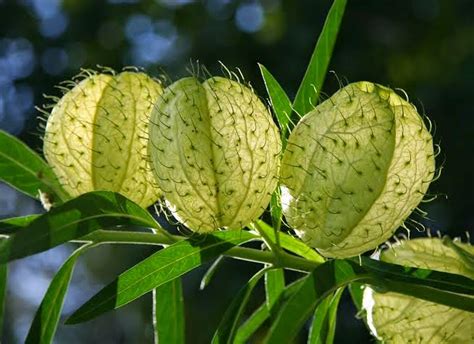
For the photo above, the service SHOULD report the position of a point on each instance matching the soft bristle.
(354, 169)
(215, 151)
(95, 137)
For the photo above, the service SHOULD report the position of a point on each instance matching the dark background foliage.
(425, 47)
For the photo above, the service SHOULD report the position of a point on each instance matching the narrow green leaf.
(387, 273)
(310, 88)
(444, 288)
(325, 279)
(263, 313)
(291, 244)
(274, 285)
(226, 331)
(276, 214)
(72, 220)
(319, 325)
(47, 316)
(3, 293)
(252, 324)
(206, 279)
(11, 225)
(168, 315)
(423, 292)
(323, 326)
(158, 269)
(356, 290)
(281, 104)
(25, 170)
(300, 248)
(425, 284)
(333, 316)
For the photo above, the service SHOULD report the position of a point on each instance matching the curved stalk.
(284, 260)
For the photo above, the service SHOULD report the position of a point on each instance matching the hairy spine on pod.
(96, 136)
(215, 152)
(355, 167)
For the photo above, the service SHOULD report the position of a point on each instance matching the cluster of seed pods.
(355, 167)
(396, 318)
(214, 150)
(96, 136)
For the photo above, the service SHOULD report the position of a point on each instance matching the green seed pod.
(96, 136)
(396, 318)
(215, 152)
(355, 167)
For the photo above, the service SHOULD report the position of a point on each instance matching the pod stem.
(282, 259)
(273, 246)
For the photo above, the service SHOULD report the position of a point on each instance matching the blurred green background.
(425, 47)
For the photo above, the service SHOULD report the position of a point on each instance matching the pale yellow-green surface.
(396, 318)
(354, 169)
(96, 136)
(215, 152)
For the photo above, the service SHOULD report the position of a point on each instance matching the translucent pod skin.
(97, 135)
(215, 152)
(355, 167)
(396, 318)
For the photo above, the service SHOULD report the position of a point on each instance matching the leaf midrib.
(57, 229)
